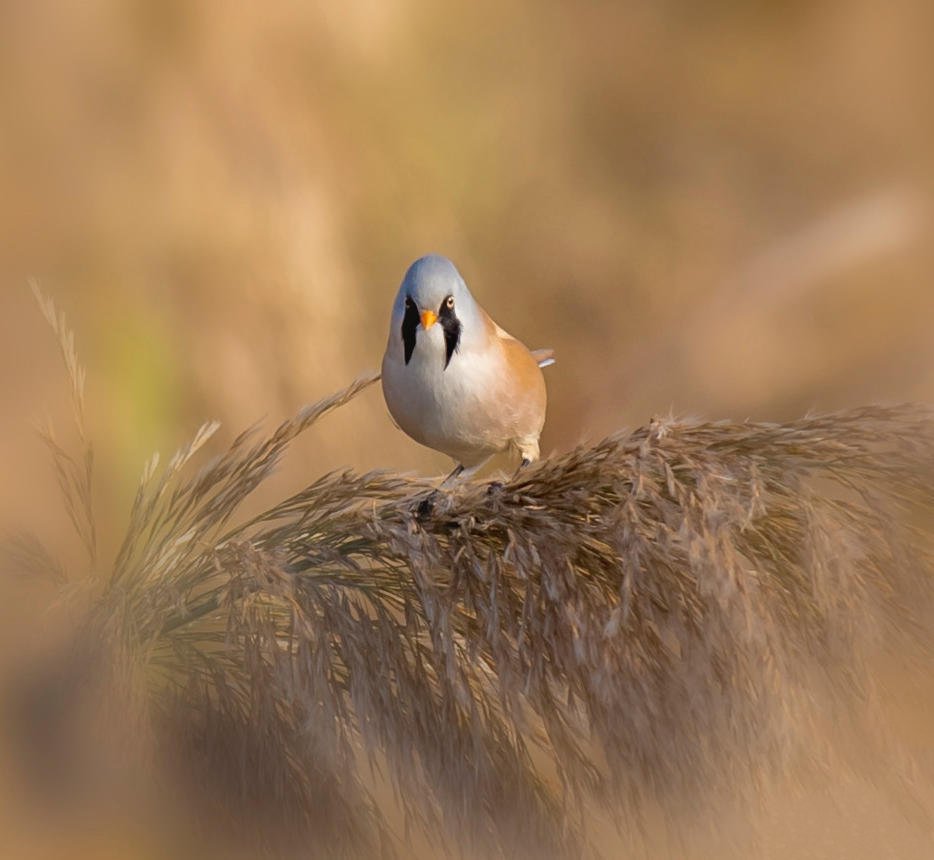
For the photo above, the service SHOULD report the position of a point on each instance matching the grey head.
(434, 293)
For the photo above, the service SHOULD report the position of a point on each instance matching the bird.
(453, 380)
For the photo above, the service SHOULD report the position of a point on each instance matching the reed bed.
(654, 621)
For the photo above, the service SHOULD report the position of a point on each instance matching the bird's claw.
(426, 506)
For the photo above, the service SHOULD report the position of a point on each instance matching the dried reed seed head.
(645, 618)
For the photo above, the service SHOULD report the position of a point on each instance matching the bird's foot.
(434, 504)
(498, 486)
(434, 511)
(425, 507)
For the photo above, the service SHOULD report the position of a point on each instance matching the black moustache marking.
(409, 327)
(452, 331)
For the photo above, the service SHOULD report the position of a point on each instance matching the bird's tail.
(544, 357)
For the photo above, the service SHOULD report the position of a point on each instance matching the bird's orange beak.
(429, 318)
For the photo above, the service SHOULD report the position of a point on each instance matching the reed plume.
(659, 618)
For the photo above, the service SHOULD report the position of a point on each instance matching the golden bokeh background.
(721, 209)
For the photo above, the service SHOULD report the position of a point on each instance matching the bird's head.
(433, 296)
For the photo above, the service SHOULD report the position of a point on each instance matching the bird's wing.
(544, 357)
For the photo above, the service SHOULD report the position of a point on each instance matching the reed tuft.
(657, 619)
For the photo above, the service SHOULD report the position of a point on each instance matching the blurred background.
(720, 209)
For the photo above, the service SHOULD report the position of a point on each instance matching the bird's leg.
(496, 486)
(453, 476)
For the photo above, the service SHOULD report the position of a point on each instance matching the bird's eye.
(449, 302)
(408, 302)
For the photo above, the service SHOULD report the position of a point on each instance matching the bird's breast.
(479, 404)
